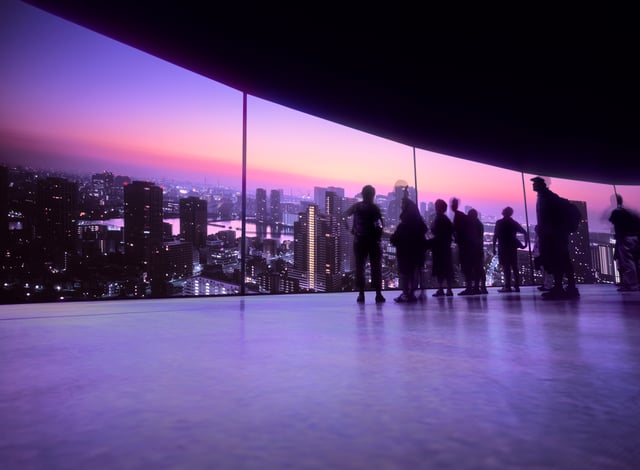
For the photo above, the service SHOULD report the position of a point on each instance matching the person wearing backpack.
(367, 231)
(626, 227)
(553, 234)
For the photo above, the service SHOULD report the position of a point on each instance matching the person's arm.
(348, 213)
(526, 235)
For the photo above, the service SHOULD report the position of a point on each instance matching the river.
(214, 227)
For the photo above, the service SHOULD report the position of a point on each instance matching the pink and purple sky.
(75, 100)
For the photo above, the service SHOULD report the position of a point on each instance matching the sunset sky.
(73, 99)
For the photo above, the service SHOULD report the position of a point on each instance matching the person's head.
(473, 214)
(538, 183)
(454, 203)
(441, 206)
(409, 210)
(368, 193)
(507, 211)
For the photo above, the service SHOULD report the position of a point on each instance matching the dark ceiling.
(545, 92)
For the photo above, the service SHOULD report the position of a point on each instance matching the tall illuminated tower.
(305, 260)
(332, 241)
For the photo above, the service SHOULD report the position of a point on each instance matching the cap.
(539, 179)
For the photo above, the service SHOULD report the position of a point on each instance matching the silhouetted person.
(626, 226)
(461, 237)
(367, 232)
(476, 253)
(505, 235)
(553, 240)
(440, 245)
(410, 242)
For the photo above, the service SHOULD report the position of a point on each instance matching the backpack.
(571, 216)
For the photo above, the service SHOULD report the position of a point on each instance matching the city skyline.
(63, 229)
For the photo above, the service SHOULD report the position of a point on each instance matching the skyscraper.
(57, 218)
(579, 248)
(143, 221)
(4, 205)
(193, 221)
(274, 206)
(333, 240)
(305, 261)
(261, 206)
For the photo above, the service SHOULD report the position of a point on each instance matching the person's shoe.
(360, 298)
(572, 293)
(466, 292)
(439, 293)
(516, 289)
(401, 299)
(449, 293)
(476, 291)
(380, 299)
(555, 293)
(627, 289)
(505, 289)
(483, 290)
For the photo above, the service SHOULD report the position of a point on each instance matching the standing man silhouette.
(440, 245)
(367, 231)
(626, 225)
(554, 242)
(505, 235)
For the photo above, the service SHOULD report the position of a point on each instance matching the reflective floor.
(319, 381)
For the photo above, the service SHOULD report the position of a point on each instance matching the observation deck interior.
(319, 381)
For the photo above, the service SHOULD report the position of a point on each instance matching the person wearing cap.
(554, 243)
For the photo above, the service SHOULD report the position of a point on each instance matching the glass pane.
(100, 116)
(484, 188)
(591, 245)
(303, 173)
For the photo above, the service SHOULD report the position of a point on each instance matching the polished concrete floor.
(318, 381)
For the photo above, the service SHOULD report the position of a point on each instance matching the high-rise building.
(334, 240)
(261, 206)
(193, 221)
(143, 221)
(57, 218)
(305, 262)
(4, 205)
(274, 206)
(579, 248)
(176, 260)
(319, 194)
